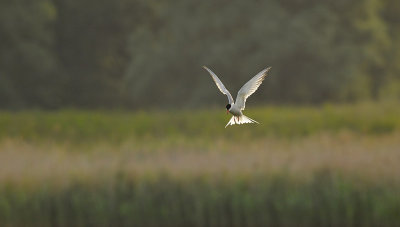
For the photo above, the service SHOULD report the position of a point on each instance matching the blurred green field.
(335, 165)
(117, 126)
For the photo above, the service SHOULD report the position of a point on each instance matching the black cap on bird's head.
(228, 106)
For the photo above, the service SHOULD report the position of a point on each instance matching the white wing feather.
(220, 85)
(249, 88)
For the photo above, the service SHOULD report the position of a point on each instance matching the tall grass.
(257, 201)
(341, 180)
(323, 166)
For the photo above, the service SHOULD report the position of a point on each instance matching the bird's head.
(227, 108)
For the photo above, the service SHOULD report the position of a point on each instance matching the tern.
(236, 108)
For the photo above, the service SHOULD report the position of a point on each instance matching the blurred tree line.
(139, 54)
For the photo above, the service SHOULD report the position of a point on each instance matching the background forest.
(111, 54)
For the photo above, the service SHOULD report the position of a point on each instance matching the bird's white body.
(236, 108)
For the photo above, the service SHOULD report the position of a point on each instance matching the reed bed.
(313, 166)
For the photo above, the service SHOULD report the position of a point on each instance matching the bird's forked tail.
(240, 120)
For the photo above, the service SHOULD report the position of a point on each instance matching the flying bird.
(236, 108)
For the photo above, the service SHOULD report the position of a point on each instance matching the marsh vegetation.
(332, 165)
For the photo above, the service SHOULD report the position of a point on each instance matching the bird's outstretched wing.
(220, 85)
(249, 88)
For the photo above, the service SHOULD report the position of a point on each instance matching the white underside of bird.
(236, 108)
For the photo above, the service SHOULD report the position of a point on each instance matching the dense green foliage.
(325, 201)
(29, 73)
(88, 126)
(85, 53)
